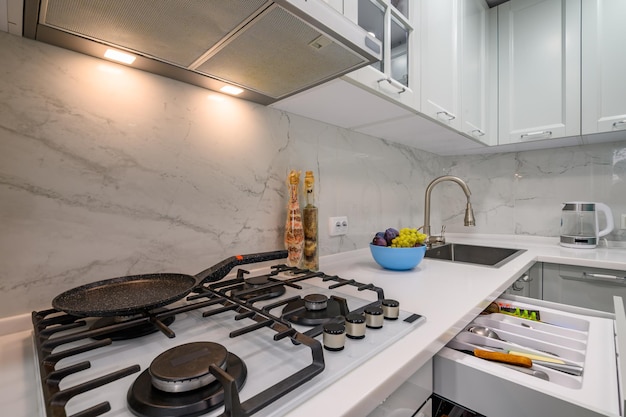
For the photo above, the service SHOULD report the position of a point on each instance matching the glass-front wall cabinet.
(371, 17)
(396, 76)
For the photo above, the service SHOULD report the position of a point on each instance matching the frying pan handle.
(220, 270)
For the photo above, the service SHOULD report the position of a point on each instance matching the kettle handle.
(609, 219)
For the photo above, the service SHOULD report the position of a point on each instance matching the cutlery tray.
(573, 335)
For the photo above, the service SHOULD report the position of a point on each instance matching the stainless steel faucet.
(469, 213)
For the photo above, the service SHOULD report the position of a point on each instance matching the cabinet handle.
(620, 124)
(518, 285)
(536, 134)
(602, 276)
(477, 132)
(444, 115)
(401, 88)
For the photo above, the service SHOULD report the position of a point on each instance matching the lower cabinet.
(411, 396)
(586, 287)
(578, 286)
(530, 284)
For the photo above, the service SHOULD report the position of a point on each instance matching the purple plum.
(379, 241)
(390, 234)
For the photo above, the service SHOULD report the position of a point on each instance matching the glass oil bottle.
(294, 234)
(309, 216)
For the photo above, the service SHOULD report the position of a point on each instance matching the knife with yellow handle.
(532, 356)
(504, 358)
(556, 364)
(469, 349)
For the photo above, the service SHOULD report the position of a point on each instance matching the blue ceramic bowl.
(397, 259)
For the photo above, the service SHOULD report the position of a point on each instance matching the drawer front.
(493, 389)
(583, 287)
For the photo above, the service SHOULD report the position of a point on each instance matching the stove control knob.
(334, 336)
(355, 326)
(391, 309)
(374, 317)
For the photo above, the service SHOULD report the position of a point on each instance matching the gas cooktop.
(256, 343)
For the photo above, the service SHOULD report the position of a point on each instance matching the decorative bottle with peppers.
(294, 234)
(309, 215)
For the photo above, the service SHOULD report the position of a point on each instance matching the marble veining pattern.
(107, 171)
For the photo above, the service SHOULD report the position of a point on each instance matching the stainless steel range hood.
(272, 49)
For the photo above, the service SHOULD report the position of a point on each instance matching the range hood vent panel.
(256, 56)
(177, 32)
(271, 48)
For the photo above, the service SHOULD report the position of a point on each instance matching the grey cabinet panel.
(583, 286)
(529, 284)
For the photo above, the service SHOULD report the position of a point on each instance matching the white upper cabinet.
(455, 66)
(604, 66)
(539, 69)
(479, 87)
(457, 75)
(396, 77)
(439, 26)
(383, 91)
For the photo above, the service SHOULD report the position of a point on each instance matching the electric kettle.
(579, 224)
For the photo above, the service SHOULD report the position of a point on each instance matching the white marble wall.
(107, 171)
(522, 193)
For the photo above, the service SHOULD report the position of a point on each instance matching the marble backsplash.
(107, 171)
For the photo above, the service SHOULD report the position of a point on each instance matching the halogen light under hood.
(272, 49)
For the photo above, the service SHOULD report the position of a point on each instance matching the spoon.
(486, 332)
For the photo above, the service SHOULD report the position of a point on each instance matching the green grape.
(408, 238)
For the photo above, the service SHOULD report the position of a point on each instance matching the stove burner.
(300, 311)
(186, 367)
(315, 302)
(145, 400)
(257, 281)
(141, 329)
(259, 288)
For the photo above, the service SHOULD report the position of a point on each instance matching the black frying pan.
(133, 294)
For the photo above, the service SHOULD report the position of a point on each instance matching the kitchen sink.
(480, 255)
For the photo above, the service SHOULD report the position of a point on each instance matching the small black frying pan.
(134, 294)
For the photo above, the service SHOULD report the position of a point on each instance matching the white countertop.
(448, 294)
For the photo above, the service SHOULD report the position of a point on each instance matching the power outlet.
(623, 225)
(338, 226)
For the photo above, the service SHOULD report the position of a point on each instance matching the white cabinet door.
(440, 86)
(539, 69)
(456, 80)
(478, 84)
(604, 66)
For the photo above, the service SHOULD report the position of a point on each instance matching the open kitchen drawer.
(583, 337)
